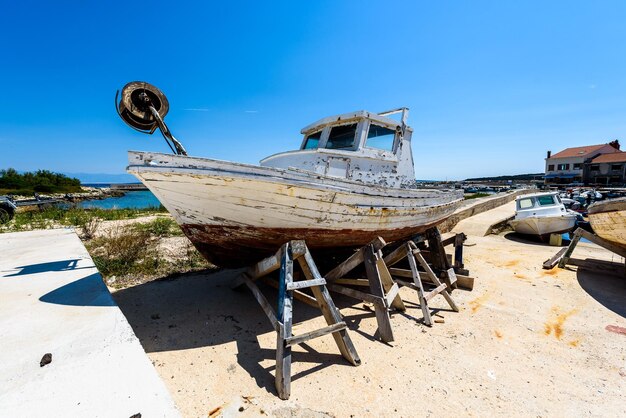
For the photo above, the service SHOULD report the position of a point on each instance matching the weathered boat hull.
(544, 225)
(236, 214)
(608, 220)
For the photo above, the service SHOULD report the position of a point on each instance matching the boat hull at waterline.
(236, 214)
(608, 220)
(544, 225)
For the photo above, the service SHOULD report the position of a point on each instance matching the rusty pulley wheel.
(134, 105)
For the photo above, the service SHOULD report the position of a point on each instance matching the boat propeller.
(143, 106)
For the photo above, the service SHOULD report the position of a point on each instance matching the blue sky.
(491, 85)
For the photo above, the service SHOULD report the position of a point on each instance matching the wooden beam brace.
(269, 312)
(357, 294)
(299, 339)
(353, 261)
(305, 283)
(297, 294)
(429, 295)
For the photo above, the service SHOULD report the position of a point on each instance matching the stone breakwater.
(88, 193)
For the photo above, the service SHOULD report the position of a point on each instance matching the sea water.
(139, 199)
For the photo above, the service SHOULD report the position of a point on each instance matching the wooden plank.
(452, 276)
(395, 256)
(388, 284)
(550, 263)
(376, 288)
(297, 294)
(305, 283)
(260, 298)
(603, 243)
(593, 264)
(283, 352)
(435, 280)
(330, 312)
(570, 249)
(299, 339)
(353, 261)
(459, 239)
(357, 294)
(266, 266)
(438, 253)
(464, 282)
(418, 283)
(406, 284)
(392, 294)
(352, 282)
(429, 295)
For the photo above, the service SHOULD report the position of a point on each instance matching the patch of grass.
(161, 227)
(476, 196)
(120, 252)
(55, 216)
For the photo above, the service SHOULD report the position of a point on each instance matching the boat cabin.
(539, 204)
(361, 146)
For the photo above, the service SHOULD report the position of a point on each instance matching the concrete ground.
(53, 300)
(526, 342)
(482, 224)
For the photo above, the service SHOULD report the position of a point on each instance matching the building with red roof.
(572, 165)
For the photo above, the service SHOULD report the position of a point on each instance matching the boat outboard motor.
(143, 106)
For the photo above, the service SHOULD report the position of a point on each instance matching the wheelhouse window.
(312, 140)
(545, 200)
(341, 137)
(525, 203)
(380, 138)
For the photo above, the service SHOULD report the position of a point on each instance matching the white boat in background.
(542, 214)
(351, 180)
(608, 220)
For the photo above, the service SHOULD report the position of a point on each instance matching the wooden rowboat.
(608, 220)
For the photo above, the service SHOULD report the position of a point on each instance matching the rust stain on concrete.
(555, 325)
(477, 303)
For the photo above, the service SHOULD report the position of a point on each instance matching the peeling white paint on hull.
(232, 210)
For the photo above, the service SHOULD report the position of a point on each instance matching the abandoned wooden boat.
(608, 220)
(542, 214)
(351, 180)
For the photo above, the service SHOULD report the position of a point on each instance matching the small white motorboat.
(542, 214)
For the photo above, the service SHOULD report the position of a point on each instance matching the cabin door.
(338, 167)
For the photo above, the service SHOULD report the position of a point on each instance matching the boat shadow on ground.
(607, 287)
(530, 240)
(201, 310)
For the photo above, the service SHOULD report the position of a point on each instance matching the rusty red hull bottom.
(240, 246)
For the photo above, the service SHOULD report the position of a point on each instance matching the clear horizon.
(491, 86)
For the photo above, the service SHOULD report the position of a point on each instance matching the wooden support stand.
(410, 251)
(564, 256)
(282, 319)
(384, 288)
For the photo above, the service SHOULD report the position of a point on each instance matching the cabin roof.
(352, 116)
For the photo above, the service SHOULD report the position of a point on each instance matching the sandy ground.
(527, 342)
